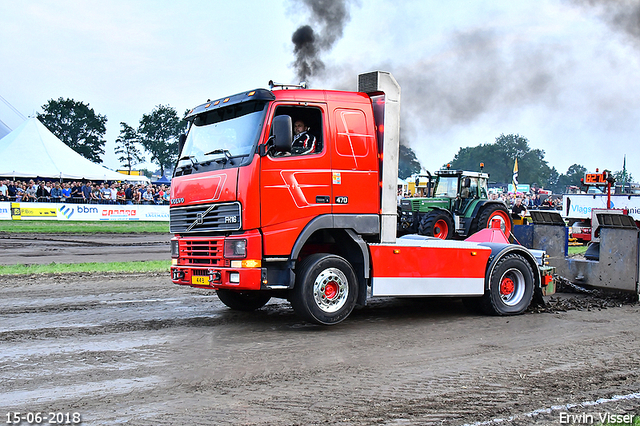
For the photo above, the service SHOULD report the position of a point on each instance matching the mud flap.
(546, 288)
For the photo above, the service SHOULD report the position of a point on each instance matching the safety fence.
(66, 211)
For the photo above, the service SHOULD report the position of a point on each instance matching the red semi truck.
(254, 219)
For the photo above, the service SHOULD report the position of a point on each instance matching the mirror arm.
(264, 149)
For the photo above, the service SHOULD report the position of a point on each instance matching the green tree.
(159, 132)
(499, 158)
(622, 176)
(559, 182)
(126, 146)
(77, 125)
(408, 164)
(552, 181)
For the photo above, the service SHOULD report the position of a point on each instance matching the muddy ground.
(139, 350)
(24, 248)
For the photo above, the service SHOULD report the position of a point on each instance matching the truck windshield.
(223, 134)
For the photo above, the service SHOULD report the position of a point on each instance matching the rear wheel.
(436, 224)
(325, 290)
(243, 300)
(495, 212)
(511, 287)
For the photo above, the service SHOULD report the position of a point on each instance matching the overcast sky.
(565, 74)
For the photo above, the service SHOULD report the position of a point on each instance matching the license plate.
(199, 280)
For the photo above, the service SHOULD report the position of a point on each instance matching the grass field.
(77, 227)
(69, 268)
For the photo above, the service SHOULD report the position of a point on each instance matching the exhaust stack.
(376, 83)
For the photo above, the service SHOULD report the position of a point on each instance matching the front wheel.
(243, 300)
(436, 224)
(325, 289)
(511, 286)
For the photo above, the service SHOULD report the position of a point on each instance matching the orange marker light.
(226, 100)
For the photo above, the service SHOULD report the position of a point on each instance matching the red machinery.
(254, 220)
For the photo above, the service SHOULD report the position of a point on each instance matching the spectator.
(114, 194)
(96, 194)
(31, 193)
(128, 194)
(519, 210)
(56, 193)
(105, 192)
(87, 191)
(120, 195)
(66, 191)
(20, 192)
(76, 192)
(137, 196)
(4, 191)
(11, 189)
(42, 193)
(147, 197)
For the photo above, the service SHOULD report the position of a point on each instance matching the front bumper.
(200, 261)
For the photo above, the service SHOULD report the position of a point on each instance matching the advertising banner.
(91, 212)
(580, 205)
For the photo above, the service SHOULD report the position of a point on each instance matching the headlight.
(235, 249)
(174, 248)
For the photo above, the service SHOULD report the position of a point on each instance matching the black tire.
(495, 211)
(325, 290)
(436, 224)
(243, 300)
(511, 286)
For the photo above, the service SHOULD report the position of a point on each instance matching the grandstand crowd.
(83, 192)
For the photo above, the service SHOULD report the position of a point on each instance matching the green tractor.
(452, 204)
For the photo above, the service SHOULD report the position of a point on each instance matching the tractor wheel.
(325, 290)
(511, 286)
(436, 224)
(495, 212)
(243, 300)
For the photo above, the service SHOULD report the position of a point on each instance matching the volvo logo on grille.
(177, 200)
(199, 217)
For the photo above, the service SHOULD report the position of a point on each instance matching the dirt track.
(74, 248)
(139, 350)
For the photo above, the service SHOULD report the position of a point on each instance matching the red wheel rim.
(507, 286)
(504, 221)
(331, 290)
(441, 229)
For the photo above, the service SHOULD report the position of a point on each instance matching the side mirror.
(282, 131)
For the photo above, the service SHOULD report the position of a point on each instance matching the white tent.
(31, 150)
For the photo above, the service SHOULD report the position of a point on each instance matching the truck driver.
(303, 141)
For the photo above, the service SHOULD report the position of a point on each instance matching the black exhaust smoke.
(329, 17)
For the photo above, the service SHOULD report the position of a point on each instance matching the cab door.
(294, 189)
(354, 163)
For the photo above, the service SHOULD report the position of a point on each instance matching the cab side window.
(307, 130)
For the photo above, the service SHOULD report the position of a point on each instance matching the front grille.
(203, 252)
(206, 218)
